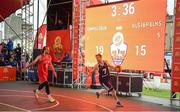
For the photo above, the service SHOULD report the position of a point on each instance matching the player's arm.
(52, 68)
(34, 62)
(109, 65)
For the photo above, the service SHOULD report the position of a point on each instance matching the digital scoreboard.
(130, 34)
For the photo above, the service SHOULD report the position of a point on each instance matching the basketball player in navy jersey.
(104, 76)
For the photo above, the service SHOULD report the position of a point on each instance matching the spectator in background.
(27, 57)
(60, 25)
(10, 45)
(18, 54)
(12, 62)
(67, 58)
(4, 49)
(11, 54)
(6, 55)
(1, 47)
(2, 62)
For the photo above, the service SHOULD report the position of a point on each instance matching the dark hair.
(98, 55)
(43, 49)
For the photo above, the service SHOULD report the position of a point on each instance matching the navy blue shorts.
(106, 84)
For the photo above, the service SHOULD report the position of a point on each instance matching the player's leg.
(110, 88)
(113, 92)
(36, 91)
(50, 98)
(102, 91)
(118, 104)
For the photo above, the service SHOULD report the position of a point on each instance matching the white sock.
(37, 90)
(49, 96)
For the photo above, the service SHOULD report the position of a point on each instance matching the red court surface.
(18, 96)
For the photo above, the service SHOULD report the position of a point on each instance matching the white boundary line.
(27, 96)
(64, 97)
(21, 109)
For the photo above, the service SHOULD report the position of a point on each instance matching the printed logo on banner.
(178, 24)
(176, 68)
(58, 47)
(118, 48)
(176, 83)
(177, 39)
(5, 71)
(177, 54)
(178, 9)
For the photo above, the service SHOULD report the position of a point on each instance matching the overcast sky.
(170, 7)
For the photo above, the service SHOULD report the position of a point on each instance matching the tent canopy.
(8, 7)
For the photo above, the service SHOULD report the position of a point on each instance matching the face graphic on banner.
(58, 47)
(5, 71)
(40, 40)
(118, 48)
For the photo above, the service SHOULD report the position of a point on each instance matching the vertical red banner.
(83, 17)
(41, 37)
(76, 14)
(175, 86)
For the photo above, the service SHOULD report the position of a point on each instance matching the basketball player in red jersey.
(44, 62)
(104, 75)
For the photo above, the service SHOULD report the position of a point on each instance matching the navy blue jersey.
(104, 71)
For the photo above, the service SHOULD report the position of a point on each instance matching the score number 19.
(141, 50)
(100, 50)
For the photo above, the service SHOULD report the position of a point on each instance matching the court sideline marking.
(64, 97)
(27, 96)
(14, 107)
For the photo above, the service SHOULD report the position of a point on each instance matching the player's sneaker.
(118, 104)
(97, 94)
(36, 92)
(51, 100)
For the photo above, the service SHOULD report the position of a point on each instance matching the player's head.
(99, 58)
(45, 50)
(118, 38)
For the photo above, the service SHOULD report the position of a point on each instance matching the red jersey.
(43, 65)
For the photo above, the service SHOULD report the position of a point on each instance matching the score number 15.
(141, 50)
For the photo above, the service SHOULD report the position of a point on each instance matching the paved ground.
(16, 96)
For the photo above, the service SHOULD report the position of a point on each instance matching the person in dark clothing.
(12, 62)
(27, 57)
(67, 58)
(18, 54)
(104, 77)
(4, 50)
(6, 55)
(2, 62)
(10, 45)
(60, 25)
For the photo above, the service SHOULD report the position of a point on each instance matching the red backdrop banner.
(175, 86)
(41, 37)
(59, 43)
(7, 73)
